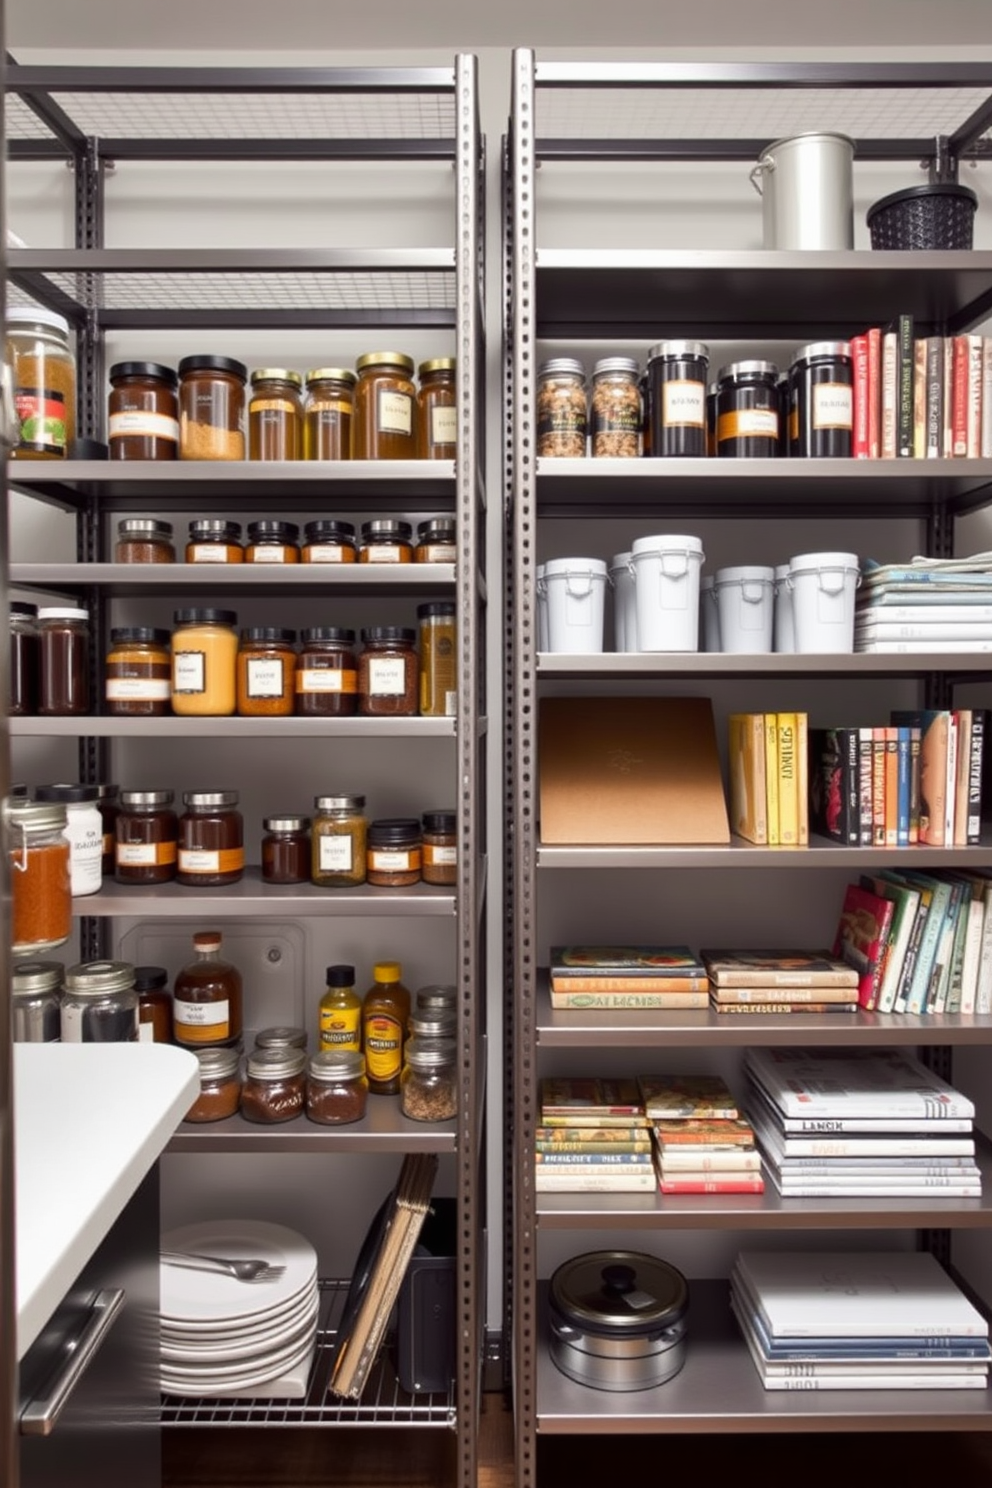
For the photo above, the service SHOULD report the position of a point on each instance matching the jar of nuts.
(561, 408)
(616, 416)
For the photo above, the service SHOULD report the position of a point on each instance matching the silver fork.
(247, 1270)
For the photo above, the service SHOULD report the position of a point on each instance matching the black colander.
(937, 216)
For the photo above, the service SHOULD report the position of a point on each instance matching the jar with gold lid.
(385, 407)
(275, 415)
(328, 413)
(437, 413)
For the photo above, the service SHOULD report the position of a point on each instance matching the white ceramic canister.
(624, 603)
(665, 569)
(709, 614)
(541, 607)
(576, 589)
(745, 596)
(824, 586)
(806, 185)
(783, 630)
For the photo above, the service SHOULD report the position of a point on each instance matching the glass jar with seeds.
(561, 409)
(616, 415)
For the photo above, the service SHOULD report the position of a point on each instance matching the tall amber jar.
(385, 426)
(328, 413)
(266, 672)
(143, 412)
(208, 995)
(437, 414)
(275, 415)
(212, 408)
(385, 1014)
(326, 673)
(138, 672)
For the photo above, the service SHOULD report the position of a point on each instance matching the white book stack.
(860, 1123)
(929, 605)
(861, 1320)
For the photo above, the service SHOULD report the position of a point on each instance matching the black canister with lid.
(386, 540)
(748, 425)
(147, 834)
(822, 379)
(677, 373)
(327, 540)
(211, 840)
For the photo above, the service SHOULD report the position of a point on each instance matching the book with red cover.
(862, 939)
(874, 392)
(703, 1131)
(960, 358)
(859, 357)
(740, 1185)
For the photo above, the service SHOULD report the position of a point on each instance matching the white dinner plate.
(244, 1385)
(241, 1345)
(195, 1297)
(214, 1329)
(269, 1361)
(291, 1385)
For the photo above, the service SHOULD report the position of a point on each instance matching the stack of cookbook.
(930, 604)
(627, 976)
(780, 981)
(593, 1137)
(862, 1320)
(860, 1123)
(702, 1143)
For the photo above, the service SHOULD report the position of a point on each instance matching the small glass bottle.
(212, 540)
(275, 1085)
(109, 806)
(386, 540)
(22, 701)
(616, 417)
(211, 840)
(329, 541)
(394, 852)
(138, 673)
(337, 1087)
(64, 661)
(385, 1013)
(83, 832)
(341, 1011)
(35, 1002)
(286, 849)
(273, 542)
(212, 408)
(340, 830)
(387, 672)
(440, 847)
(436, 541)
(154, 1004)
(143, 412)
(147, 837)
(275, 415)
(326, 673)
(40, 886)
(99, 1004)
(44, 382)
(328, 413)
(204, 663)
(562, 420)
(437, 411)
(438, 671)
(144, 540)
(266, 685)
(428, 1090)
(207, 1005)
(220, 1084)
(384, 426)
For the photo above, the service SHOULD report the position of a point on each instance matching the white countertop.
(89, 1122)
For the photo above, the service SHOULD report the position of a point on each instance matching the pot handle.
(766, 164)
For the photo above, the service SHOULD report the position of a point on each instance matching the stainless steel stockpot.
(618, 1320)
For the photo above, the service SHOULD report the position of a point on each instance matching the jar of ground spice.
(24, 660)
(386, 540)
(143, 412)
(64, 661)
(339, 841)
(138, 673)
(436, 541)
(35, 1001)
(437, 413)
(329, 541)
(144, 540)
(438, 671)
(99, 1004)
(266, 672)
(220, 1085)
(275, 1085)
(428, 1084)
(212, 540)
(275, 415)
(273, 542)
(211, 840)
(394, 852)
(40, 885)
(44, 371)
(384, 425)
(286, 849)
(561, 408)
(326, 673)
(154, 1004)
(387, 672)
(212, 408)
(328, 413)
(147, 837)
(337, 1087)
(440, 847)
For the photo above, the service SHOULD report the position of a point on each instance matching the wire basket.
(937, 216)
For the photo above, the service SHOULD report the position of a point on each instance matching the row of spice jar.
(376, 412)
(325, 540)
(204, 668)
(750, 411)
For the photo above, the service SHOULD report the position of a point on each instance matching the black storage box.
(425, 1323)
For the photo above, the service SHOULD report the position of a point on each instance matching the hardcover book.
(933, 724)
(592, 1098)
(746, 772)
(862, 939)
(602, 992)
(777, 968)
(705, 1131)
(668, 1097)
(628, 960)
(834, 809)
(862, 1081)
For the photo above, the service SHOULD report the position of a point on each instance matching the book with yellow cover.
(802, 775)
(788, 780)
(771, 778)
(746, 769)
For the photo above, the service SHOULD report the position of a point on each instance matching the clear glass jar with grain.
(212, 408)
(562, 420)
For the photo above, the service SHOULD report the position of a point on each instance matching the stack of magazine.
(860, 1320)
(929, 604)
(860, 1123)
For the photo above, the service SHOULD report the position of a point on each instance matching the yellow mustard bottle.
(341, 1011)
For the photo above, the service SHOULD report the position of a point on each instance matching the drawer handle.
(39, 1416)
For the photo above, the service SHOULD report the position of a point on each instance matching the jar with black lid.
(387, 672)
(562, 416)
(394, 852)
(35, 1001)
(437, 412)
(286, 849)
(384, 426)
(326, 672)
(822, 376)
(266, 672)
(143, 412)
(211, 840)
(275, 1085)
(99, 1003)
(212, 540)
(328, 413)
(275, 415)
(677, 372)
(329, 541)
(154, 1004)
(788, 412)
(144, 540)
(711, 399)
(147, 837)
(64, 661)
(83, 831)
(272, 542)
(386, 540)
(440, 847)
(138, 681)
(436, 541)
(212, 408)
(337, 1087)
(22, 697)
(747, 425)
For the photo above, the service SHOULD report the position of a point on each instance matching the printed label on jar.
(615, 420)
(79, 1023)
(269, 553)
(334, 854)
(438, 857)
(148, 425)
(384, 553)
(437, 553)
(794, 425)
(326, 679)
(450, 704)
(387, 676)
(395, 412)
(146, 1033)
(41, 415)
(748, 423)
(444, 425)
(202, 1022)
(271, 405)
(145, 854)
(391, 860)
(200, 860)
(328, 553)
(189, 671)
(683, 404)
(137, 689)
(329, 415)
(265, 677)
(208, 553)
(833, 406)
(340, 1030)
(383, 1047)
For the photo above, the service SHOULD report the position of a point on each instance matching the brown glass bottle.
(154, 1004)
(207, 1003)
(385, 1014)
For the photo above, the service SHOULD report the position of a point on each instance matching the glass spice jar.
(384, 426)
(35, 1002)
(437, 412)
(83, 832)
(339, 841)
(329, 541)
(385, 1014)
(616, 417)
(211, 840)
(275, 415)
(328, 413)
(326, 673)
(275, 1085)
(212, 540)
(337, 1087)
(678, 371)
(138, 673)
(204, 663)
(286, 849)
(144, 540)
(99, 1004)
(208, 1003)
(154, 1004)
(143, 412)
(438, 671)
(22, 695)
(64, 661)
(281, 1038)
(386, 540)
(747, 421)
(266, 674)
(561, 408)
(212, 408)
(440, 847)
(109, 806)
(40, 886)
(220, 1084)
(44, 375)
(340, 1011)
(432, 1023)
(436, 541)
(147, 837)
(441, 997)
(272, 542)
(394, 852)
(428, 1084)
(387, 672)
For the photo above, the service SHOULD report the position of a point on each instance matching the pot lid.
(620, 1293)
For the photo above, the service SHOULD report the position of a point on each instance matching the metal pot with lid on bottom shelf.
(618, 1320)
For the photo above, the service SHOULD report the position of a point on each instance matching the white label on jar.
(683, 403)
(833, 406)
(391, 861)
(146, 1033)
(72, 1024)
(440, 855)
(450, 704)
(320, 679)
(444, 425)
(200, 1014)
(395, 412)
(84, 834)
(387, 676)
(136, 855)
(383, 553)
(137, 689)
(269, 553)
(325, 552)
(189, 671)
(208, 553)
(137, 421)
(264, 677)
(334, 854)
(198, 860)
(759, 423)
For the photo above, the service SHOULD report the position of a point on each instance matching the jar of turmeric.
(385, 407)
(44, 370)
(204, 663)
(266, 685)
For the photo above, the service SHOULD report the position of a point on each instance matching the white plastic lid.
(36, 315)
(574, 565)
(62, 612)
(782, 571)
(619, 560)
(666, 543)
(807, 561)
(751, 574)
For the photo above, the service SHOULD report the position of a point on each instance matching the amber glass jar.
(144, 540)
(438, 672)
(394, 853)
(328, 541)
(207, 1006)
(436, 541)
(339, 841)
(143, 412)
(437, 414)
(385, 1013)
(212, 540)
(40, 883)
(212, 408)
(64, 661)
(266, 672)
(138, 682)
(387, 672)
(204, 663)
(109, 806)
(273, 542)
(385, 406)
(440, 847)
(24, 660)
(337, 1087)
(44, 375)
(275, 415)
(386, 540)
(147, 837)
(220, 1084)
(328, 413)
(326, 673)
(211, 839)
(275, 1085)
(154, 1004)
(286, 849)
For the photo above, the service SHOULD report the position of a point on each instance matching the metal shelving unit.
(91, 117)
(657, 114)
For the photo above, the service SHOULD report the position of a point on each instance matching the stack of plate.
(221, 1336)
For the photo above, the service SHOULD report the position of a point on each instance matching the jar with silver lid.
(428, 1088)
(275, 1085)
(677, 372)
(35, 1001)
(99, 1003)
(220, 1084)
(561, 408)
(442, 997)
(38, 861)
(433, 1022)
(337, 1087)
(616, 416)
(83, 831)
(618, 1320)
(281, 1038)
